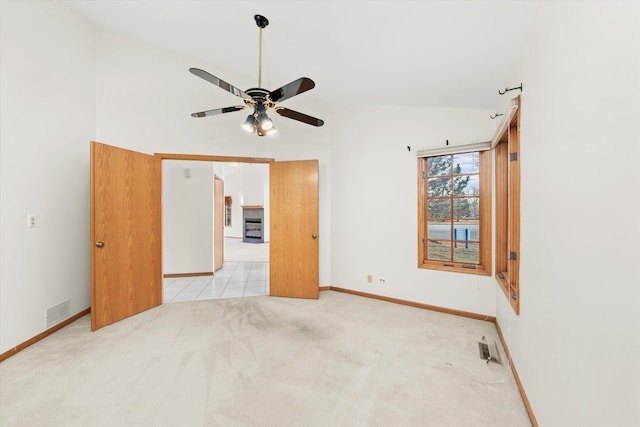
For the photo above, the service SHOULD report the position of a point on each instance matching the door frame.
(207, 158)
(218, 222)
(227, 159)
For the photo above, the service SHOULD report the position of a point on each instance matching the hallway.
(245, 273)
(234, 279)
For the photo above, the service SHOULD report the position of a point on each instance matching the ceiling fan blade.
(292, 89)
(285, 112)
(218, 111)
(219, 82)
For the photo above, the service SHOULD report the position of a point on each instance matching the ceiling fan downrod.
(261, 22)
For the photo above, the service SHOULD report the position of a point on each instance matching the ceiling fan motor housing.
(260, 99)
(258, 94)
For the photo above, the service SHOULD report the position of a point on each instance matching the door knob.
(99, 244)
(315, 236)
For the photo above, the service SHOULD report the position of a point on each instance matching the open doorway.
(189, 192)
(126, 226)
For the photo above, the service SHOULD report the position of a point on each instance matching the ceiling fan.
(259, 99)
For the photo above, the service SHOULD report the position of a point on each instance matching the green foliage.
(453, 198)
(443, 183)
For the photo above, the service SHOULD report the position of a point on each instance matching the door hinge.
(513, 256)
(513, 157)
(423, 242)
(424, 175)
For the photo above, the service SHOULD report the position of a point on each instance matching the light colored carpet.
(342, 360)
(235, 250)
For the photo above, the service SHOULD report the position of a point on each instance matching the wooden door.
(218, 223)
(293, 209)
(126, 249)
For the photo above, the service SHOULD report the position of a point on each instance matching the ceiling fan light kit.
(250, 124)
(259, 99)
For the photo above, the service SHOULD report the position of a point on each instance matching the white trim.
(455, 149)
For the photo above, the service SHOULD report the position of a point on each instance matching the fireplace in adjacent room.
(253, 224)
(253, 230)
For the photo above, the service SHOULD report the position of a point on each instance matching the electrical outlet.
(382, 280)
(369, 278)
(32, 221)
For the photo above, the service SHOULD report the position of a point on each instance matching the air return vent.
(56, 313)
(489, 351)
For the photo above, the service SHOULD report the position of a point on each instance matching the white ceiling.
(433, 53)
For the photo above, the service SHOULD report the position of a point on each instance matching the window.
(455, 212)
(507, 158)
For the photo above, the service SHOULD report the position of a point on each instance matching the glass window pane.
(466, 230)
(466, 185)
(466, 207)
(468, 253)
(439, 230)
(466, 163)
(438, 166)
(439, 208)
(439, 187)
(439, 251)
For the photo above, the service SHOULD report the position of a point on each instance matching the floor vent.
(489, 351)
(56, 313)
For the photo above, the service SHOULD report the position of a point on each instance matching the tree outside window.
(454, 227)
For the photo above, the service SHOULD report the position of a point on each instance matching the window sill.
(455, 267)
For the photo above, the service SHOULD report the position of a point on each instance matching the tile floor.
(234, 279)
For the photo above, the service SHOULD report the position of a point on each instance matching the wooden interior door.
(218, 223)
(293, 208)
(126, 249)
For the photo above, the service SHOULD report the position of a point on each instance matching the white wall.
(375, 205)
(576, 343)
(233, 184)
(254, 177)
(47, 118)
(144, 99)
(187, 217)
